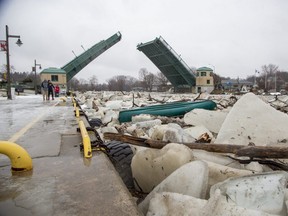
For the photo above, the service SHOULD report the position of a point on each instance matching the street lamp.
(275, 81)
(19, 43)
(255, 76)
(35, 79)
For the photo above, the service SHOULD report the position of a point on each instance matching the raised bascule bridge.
(158, 51)
(78, 63)
(169, 63)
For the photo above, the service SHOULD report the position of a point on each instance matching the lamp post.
(35, 79)
(255, 76)
(275, 81)
(19, 43)
(266, 81)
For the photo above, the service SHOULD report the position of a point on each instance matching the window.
(203, 73)
(208, 81)
(54, 78)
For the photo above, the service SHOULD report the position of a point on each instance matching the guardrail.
(19, 157)
(84, 133)
(86, 140)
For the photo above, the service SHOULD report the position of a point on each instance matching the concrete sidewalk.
(62, 181)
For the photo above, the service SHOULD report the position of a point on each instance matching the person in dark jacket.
(50, 90)
(44, 88)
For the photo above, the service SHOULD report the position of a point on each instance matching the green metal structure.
(168, 62)
(79, 62)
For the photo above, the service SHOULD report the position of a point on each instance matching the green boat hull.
(168, 109)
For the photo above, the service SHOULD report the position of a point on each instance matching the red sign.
(3, 46)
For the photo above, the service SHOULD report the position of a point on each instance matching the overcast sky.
(235, 36)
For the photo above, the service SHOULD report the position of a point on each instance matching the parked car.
(19, 88)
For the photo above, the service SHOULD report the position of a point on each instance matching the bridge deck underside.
(78, 63)
(168, 62)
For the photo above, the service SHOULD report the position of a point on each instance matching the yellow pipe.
(20, 159)
(86, 140)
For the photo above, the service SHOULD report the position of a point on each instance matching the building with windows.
(57, 77)
(204, 80)
(237, 85)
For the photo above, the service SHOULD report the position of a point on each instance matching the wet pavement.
(62, 182)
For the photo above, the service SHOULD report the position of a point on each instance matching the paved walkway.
(62, 181)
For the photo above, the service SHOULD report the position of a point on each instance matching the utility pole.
(35, 79)
(19, 43)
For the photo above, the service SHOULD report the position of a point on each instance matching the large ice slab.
(212, 120)
(190, 179)
(167, 203)
(252, 120)
(151, 166)
(264, 192)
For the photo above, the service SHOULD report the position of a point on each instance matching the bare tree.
(143, 72)
(150, 80)
(93, 82)
(112, 83)
(162, 81)
(121, 80)
(147, 79)
(84, 85)
(217, 81)
(118, 83)
(269, 72)
(73, 84)
(130, 83)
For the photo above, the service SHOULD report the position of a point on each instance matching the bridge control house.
(56, 75)
(204, 80)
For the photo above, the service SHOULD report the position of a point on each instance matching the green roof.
(53, 70)
(204, 69)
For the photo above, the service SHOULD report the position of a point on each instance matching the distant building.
(204, 80)
(56, 75)
(236, 85)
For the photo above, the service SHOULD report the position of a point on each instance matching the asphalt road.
(62, 181)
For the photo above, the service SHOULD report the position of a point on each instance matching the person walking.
(44, 88)
(50, 90)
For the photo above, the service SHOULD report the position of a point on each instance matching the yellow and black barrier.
(77, 113)
(19, 157)
(85, 139)
(84, 133)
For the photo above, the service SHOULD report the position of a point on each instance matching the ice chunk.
(212, 120)
(190, 179)
(252, 120)
(167, 203)
(264, 192)
(218, 205)
(151, 166)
